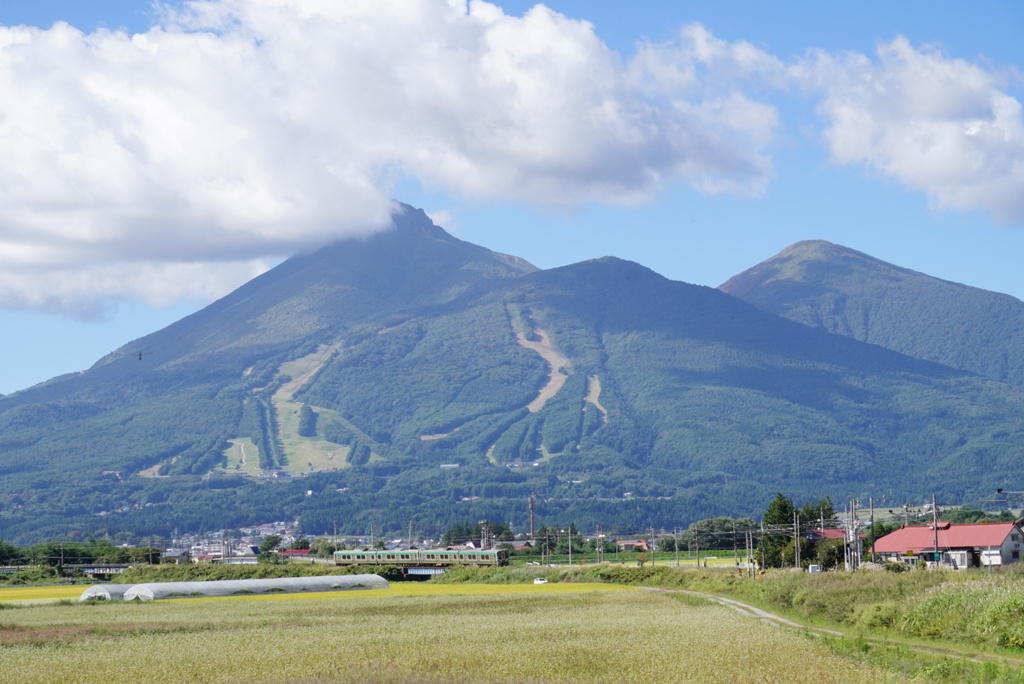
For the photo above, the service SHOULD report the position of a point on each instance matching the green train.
(426, 558)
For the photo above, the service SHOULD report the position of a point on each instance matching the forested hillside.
(846, 292)
(412, 376)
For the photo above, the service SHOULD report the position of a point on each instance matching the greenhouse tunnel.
(154, 591)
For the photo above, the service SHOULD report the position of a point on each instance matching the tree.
(270, 544)
(822, 509)
(456, 534)
(9, 553)
(780, 512)
(307, 422)
(323, 547)
(300, 543)
(829, 554)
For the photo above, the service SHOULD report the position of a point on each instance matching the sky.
(154, 156)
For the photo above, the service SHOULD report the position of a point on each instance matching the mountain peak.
(814, 262)
(849, 293)
(413, 263)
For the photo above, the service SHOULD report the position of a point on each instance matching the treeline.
(53, 560)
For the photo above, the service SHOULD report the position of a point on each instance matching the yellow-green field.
(413, 633)
(54, 593)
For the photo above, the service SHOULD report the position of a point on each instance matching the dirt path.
(556, 361)
(594, 396)
(765, 616)
(431, 438)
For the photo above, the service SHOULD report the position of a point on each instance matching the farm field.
(414, 633)
(44, 593)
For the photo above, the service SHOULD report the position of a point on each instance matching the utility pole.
(855, 533)
(750, 553)
(764, 560)
(935, 530)
(533, 512)
(871, 503)
(796, 539)
(847, 533)
(735, 557)
(410, 534)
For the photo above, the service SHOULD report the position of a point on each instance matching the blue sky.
(155, 158)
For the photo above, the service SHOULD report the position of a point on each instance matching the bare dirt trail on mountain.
(556, 361)
(594, 396)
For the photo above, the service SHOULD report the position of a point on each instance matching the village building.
(959, 546)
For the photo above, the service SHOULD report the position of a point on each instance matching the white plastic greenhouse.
(108, 592)
(166, 590)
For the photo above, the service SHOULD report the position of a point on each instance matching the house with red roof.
(959, 546)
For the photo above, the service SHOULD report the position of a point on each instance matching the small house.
(959, 546)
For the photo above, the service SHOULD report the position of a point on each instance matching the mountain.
(413, 376)
(845, 292)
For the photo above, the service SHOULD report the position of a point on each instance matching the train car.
(422, 558)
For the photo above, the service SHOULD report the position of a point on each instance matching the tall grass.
(589, 636)
(967, 606)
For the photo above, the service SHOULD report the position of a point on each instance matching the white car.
(539, 580)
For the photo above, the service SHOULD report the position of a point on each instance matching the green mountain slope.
(411, 376)
(849, 293)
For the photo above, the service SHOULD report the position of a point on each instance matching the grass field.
(413, 633)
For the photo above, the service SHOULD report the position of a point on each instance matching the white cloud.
(939, 125)
(87, 291)
(238, 129)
